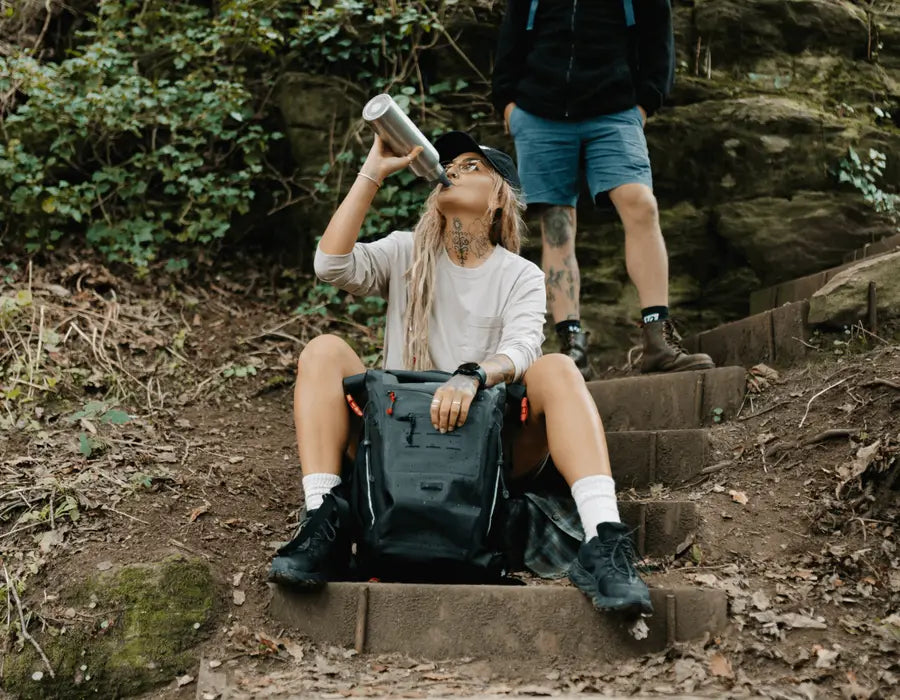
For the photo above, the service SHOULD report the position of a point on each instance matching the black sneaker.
(604, 571)
(575, 344)
(321, 550)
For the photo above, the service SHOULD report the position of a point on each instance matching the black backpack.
(429, 506)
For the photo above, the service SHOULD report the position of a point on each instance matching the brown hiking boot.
(575, 346)
(663, 351)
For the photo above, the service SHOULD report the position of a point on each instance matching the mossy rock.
(785, 238)
(738, 31)
(711, 152)
(148, 619)
(845, 299)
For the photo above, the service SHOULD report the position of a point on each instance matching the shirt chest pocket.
(481, 337)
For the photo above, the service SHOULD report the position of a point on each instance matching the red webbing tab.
(354, 406)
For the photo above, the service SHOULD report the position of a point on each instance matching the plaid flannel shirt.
(554, 534)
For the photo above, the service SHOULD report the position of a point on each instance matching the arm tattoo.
(499, 368)
(558, 226)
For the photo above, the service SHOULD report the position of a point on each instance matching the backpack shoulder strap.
(532, 11)
(629, 13)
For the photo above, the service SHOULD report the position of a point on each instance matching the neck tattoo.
(467, 246)
(460, 240)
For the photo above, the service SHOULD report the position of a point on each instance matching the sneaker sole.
(305, 584)
(587, 584)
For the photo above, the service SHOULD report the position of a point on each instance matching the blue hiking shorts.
(610, 148)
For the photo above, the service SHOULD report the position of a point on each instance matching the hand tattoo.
(499, 368)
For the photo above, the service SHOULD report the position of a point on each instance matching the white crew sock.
(595, 497)
(315, 486)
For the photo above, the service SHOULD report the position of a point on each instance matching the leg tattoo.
(558, 226)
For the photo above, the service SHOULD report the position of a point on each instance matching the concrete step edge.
(452, 621)
(675, 400)
(776, 337)
(802, 288)
(641, 458)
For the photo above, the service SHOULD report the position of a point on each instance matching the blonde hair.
(504, 211)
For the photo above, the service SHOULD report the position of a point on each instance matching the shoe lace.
(621, 554)
(325, 533)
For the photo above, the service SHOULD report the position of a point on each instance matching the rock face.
(785, 238)
(845, 299)
(769, 95)
(147, 619)
(741, 31)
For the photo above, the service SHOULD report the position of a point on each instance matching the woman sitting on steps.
(460, 298)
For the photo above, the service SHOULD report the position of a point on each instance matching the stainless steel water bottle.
(401, 136)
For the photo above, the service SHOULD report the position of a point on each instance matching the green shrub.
(145, 134)
(160, 125)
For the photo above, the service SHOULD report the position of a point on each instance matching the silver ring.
(456, 403)
(435, 402)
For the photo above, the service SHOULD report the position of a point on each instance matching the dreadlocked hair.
(504, 211)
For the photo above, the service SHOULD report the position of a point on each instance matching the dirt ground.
(800, 525)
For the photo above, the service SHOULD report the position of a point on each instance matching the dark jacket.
(581, 59)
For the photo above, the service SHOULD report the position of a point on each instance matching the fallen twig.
(713, 468)
(37, 647)
(766, 409)
(828, 434)
(803, 342)
(882, 382)
(817, 395)
(119, 512)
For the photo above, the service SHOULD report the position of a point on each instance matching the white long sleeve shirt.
(495, 308)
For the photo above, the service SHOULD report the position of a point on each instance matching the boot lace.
(671, 336)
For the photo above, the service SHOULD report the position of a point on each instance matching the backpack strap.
(629, 13)
(532, 11)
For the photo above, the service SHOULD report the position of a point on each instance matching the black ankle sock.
(569, 326)
(654, 313)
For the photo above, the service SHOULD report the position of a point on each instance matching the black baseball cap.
(455, 143)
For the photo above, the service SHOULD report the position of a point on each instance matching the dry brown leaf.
(720, 666)
(197, 512)
(739, 497)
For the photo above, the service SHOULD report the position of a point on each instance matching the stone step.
(660, 527)
(775, 337)
(804, 287)
(669, 401)
(641, 458)
(886, 245)
(513, 622)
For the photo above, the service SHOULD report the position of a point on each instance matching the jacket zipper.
(571, 55)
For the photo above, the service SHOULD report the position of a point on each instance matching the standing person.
(575, 82)
(460, 299)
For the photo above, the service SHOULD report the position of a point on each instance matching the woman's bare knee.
(555, 368)
(327, 352)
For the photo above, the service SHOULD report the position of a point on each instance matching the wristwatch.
(472, 369)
